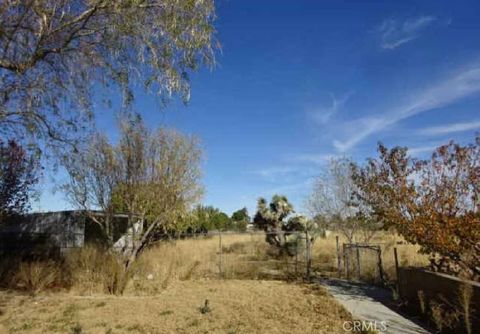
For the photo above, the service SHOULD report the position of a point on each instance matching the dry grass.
(37, 276)
(236, 306)
(244, 256)
(324, 255)
(171, 281)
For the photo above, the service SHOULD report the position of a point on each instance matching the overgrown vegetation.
(453, 315)
(153, 178)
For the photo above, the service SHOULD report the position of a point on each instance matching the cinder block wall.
(438, 288)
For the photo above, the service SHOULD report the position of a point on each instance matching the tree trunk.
(137, 246)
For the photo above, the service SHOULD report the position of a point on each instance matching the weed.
(37, 276)
(189, 273)
(76, 329)
(442, 316)
(236, 247)
(166, 312)
(466, 292)
(205, 308)
(168, 275)
(137, 328)
(194, 323)
(26, 326)
(395, 293)
(100, 304)
(421, 300)
(115, 276)
(70, 311)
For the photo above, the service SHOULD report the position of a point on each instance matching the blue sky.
(300, 82)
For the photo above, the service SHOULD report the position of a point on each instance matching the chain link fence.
(246, 254)
(241, 254)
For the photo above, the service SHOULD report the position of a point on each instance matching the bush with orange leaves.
(434, 203)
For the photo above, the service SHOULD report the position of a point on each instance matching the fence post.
(344, 259)
(395, 254)
(347, 260)
(380, 267)
(358, 262)
(339, 262)
(220, 253)
(296, 255)
(308, 255)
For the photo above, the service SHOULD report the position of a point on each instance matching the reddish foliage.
(434, 203)
(18, 175)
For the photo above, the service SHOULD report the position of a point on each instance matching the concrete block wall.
(433, 288)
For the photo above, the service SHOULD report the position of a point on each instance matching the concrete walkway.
(367, 303)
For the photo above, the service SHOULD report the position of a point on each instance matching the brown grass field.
(256, 292)
(237, 306)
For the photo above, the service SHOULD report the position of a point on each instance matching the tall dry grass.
(241, 256)
(325, 256)
(94, 271)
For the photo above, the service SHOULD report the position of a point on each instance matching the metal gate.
(363, 262)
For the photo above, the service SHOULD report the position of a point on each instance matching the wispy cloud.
(394, 33)
(274, 172)
(414, 151)
(463, 84)
(322, 115)
(450, 128)
(316, 159)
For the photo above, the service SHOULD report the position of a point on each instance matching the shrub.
(114, 275)
(37, 276)
(93, 267)
(86, 266)
(236, 247)
(76, 329)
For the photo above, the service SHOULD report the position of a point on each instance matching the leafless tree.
(93, 174)
(332, 200)
(152, 177)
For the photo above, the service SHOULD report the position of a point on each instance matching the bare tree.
(152, 177)
(54, 52)
(332, 201)
(160, 184)
(93, 172)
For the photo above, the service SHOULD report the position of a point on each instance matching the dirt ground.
(235, 306)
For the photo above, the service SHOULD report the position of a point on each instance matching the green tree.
(209, 218)
(220, 221)
(240, 219)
